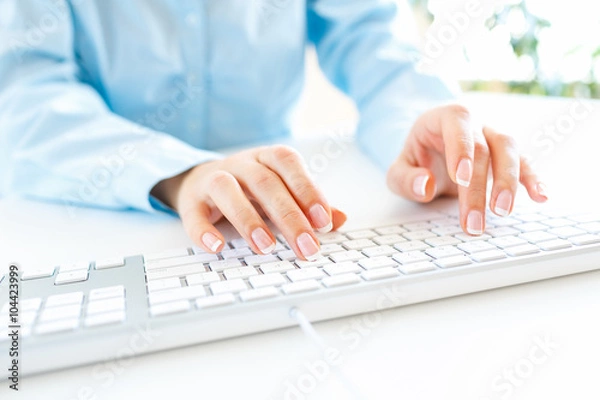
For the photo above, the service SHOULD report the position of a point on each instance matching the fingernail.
(475, 223)
(263, 241)
(320, 218)
(211, 241)
(308, 247)
(503, 203)
(464, 172)
(542, 190)
(420, 185)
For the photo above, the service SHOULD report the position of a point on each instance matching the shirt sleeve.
(367, 49)
(59, 140)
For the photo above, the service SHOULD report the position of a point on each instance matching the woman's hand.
(448, 153)
(271, 179)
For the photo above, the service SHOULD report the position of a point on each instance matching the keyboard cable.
(310, 332)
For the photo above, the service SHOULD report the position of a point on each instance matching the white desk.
(447, 349)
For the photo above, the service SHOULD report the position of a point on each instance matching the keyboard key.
(107, 292)
(242, 272)
(215, 301)
(341, 268)
(377, 251)
(175, 272)
(236, 253)
(505, 221)
(57, 300)
(530, 217)
(587, 217)
(567, 231)
(71, 277)
(476, 246)
(30, 304)
(287, 255)
(37, 273)
(502, 231)
(377, 262)
(350, 255)
(114, 317)
(449, 222)
(202, 278)
(380, 273)
(363, 234)
(389, 239)
(530, 227)
(411, 246)
(522, 250)
(584, 239)
(331, 237)
(357, 244)
(162, 284)
(418, 226)
(468, 238)
(451, 262)
(305, 274)
(411, 257)
(301, 286)
(317, 263)
(260, 259)
(442, 241)
(180, 261)
(555, 244)
(279, 266)
(232, 286)
(331, 248)
(340, 280)
(267, 280)
(488, 255)
(537, 236)
(182, 293)
(259, 294)
(169, 308)
(390, 230)
(57, 326)
(557, 222)
(419, 235)
(74, 267)
(507, 241)
(443, 251)
(447, 230)
(591, 227)
(238, 243)
(222, 265)
(110, 263)
(172, 253)
(63, 312)
(106, 305)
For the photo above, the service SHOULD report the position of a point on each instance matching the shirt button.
(191, 19)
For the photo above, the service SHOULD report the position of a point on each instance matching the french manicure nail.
(503, 203)
(211, 241)
(320, 218)
(308, 247)
(475, 222)
(420, 185)
(542, 190)
(263, 241)
(464, 172)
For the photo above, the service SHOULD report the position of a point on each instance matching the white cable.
(312, 334)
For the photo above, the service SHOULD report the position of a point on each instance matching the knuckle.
(459, 110)
(218, 179)
(263, 179)
(506, 141)
(292, 217)
(481, 149)
(285, 154)
(244, 215)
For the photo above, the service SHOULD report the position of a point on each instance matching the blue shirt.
(100, 100)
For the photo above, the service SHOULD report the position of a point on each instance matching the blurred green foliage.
(525, 44)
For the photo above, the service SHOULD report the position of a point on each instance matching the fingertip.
(424, 187)
(212, 242)
(339, 218)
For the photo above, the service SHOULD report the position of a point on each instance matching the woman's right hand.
(273, 178)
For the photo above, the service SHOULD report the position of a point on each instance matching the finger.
(528, 178)
(274, 198)
(288, 165)
(411, 182)
(457, 129)
(472, 199)
(229, 197)
(338, 217)
(196, 219)
(505, 168)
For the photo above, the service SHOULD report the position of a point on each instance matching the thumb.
(411, 182)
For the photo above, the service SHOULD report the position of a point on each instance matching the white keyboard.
(93, 311)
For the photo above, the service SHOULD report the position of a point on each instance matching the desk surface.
(448, 349)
